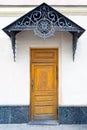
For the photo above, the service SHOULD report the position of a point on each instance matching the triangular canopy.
(44, 21)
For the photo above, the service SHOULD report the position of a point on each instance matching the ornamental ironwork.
(45, 21)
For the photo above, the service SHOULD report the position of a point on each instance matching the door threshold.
(43, 122)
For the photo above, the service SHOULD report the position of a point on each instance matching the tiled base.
(73, 115)
(14, 114)
(20, 114)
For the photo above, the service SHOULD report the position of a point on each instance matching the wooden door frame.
(30, 115)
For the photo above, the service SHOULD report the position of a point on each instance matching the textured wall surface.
(14, 114)
(21, 114)
(73, 115)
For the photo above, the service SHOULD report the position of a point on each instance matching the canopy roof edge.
(44, 21)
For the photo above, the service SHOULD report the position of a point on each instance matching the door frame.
(57, 81)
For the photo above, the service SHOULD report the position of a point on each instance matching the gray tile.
(72, 115)
(14, 114)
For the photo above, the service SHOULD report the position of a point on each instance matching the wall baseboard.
(20, 114)
(73, 115)
(14, 114)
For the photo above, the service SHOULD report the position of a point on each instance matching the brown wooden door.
(44, 86)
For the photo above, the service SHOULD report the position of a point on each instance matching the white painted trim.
(18, 11)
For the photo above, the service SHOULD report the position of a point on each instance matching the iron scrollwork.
(44, 22)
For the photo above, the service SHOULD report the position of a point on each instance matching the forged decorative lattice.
(45, 21)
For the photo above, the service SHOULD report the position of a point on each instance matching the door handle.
(33, 85)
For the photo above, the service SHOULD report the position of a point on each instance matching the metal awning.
(44, 21)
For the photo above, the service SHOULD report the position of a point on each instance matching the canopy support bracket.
(75, 39)
(13, 44)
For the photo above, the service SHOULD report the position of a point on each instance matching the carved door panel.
(44, 91)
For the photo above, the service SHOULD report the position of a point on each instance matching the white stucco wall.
(15, 76)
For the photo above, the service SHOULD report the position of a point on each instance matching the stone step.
(43, 122)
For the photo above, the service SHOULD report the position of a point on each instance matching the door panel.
(44, 55)
(43, 91)
(44, 76)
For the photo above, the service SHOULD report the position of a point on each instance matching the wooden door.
(44, 98)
